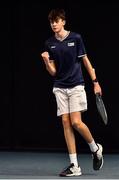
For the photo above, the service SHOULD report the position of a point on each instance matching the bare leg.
(68, 133)
(86, 134)
(80, 126)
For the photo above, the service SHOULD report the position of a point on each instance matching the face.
(57, 25)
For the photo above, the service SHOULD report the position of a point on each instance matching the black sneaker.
(98, 158)
(71, 170)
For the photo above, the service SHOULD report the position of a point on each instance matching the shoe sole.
(102, 163)
(100, 146)
(70, 175)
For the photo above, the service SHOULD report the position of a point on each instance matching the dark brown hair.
(56, 14)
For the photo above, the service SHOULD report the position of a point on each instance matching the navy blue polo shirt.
(67, 55)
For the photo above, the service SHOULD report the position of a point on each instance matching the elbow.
(53, 73)
(51, 69)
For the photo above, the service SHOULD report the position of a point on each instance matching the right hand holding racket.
(97, 88)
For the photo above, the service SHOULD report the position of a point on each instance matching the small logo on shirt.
(71, 44)
(52, 47)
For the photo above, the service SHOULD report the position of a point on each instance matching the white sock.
(93, 146)
(73, 159)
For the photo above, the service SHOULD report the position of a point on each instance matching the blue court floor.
(39, 165)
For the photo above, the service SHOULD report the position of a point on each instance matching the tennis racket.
(101, 108)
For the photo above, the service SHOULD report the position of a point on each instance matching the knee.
(66, 122)
(77, 124)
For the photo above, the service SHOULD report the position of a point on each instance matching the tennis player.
(63, 55)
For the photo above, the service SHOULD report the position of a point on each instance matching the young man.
(63, 55)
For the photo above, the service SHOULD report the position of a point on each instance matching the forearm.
(89, 68)
(91, 71)
(50, 65)
(50, 68)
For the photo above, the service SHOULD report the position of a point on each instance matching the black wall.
(28, 109)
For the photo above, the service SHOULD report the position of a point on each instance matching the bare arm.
(50, 65)
(91, 72)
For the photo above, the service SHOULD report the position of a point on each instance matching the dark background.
(28, 118)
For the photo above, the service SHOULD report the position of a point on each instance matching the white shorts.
(70, 99)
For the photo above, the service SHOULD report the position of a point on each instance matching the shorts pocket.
(55, 90)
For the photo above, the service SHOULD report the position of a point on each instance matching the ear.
(64, 22)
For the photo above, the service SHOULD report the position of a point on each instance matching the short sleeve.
(81, 51)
